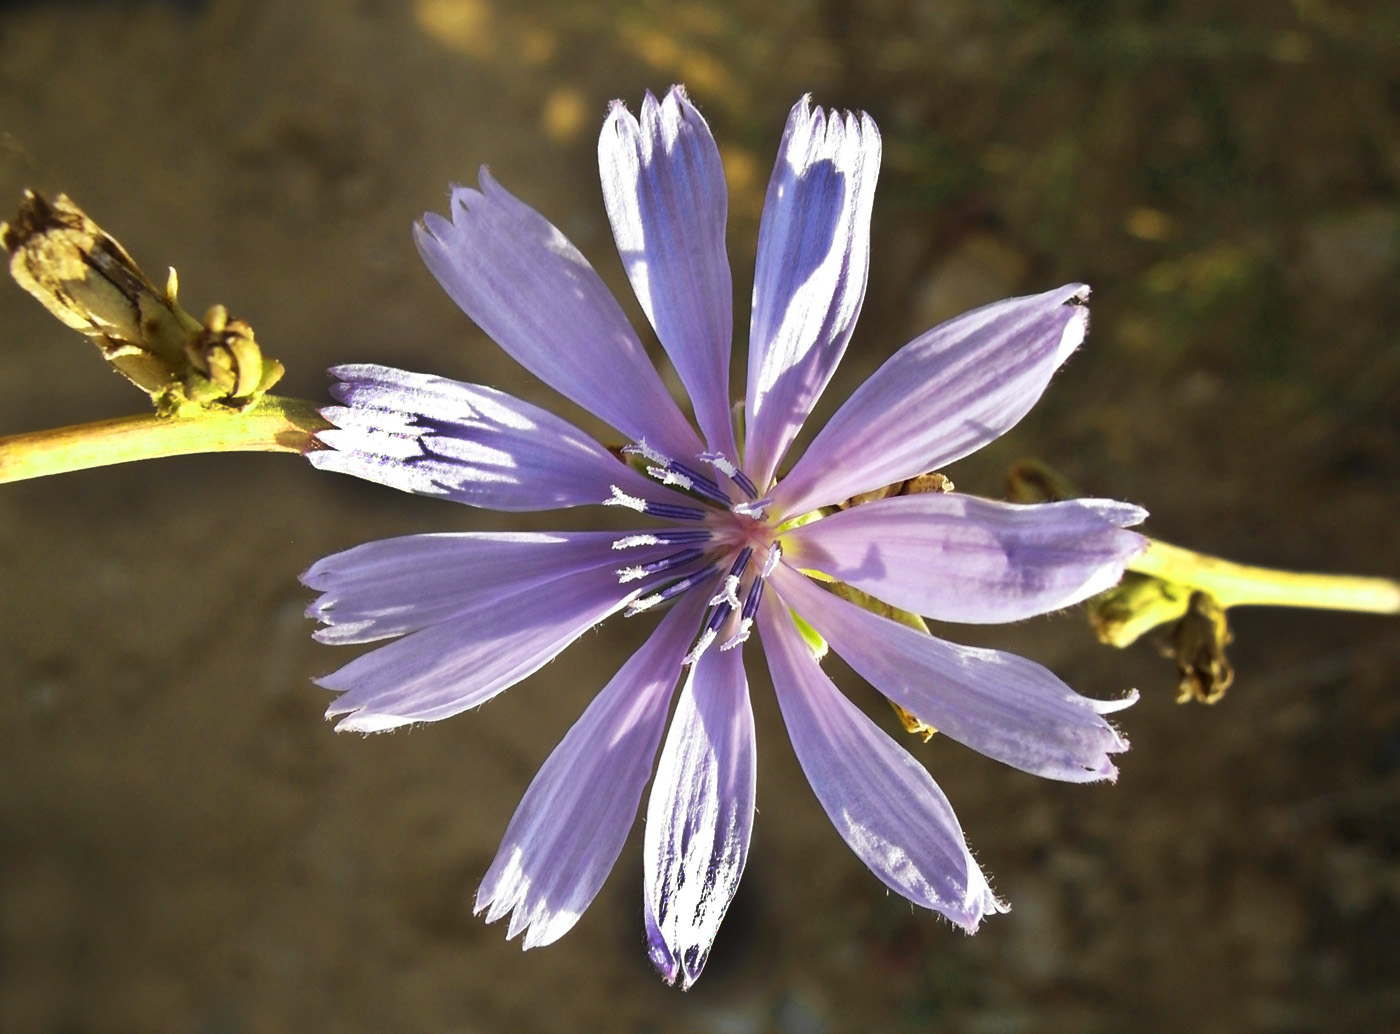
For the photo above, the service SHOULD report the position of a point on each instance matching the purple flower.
(720, 547)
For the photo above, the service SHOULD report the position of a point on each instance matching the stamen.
(729, 595)
(666, 510)
(740, 637)
(746, 616)
(630, 541)
(662, 538)
(667, 476)
(718, 617)
(753, 508)
(621, 498)
(751, 603)
(632, 574)
(722, 464)
(705, 486)
(645, 450)
(775, 553)
(710, 633)
(701, 645)
(675, 513)
(672, 590)
(688, 480)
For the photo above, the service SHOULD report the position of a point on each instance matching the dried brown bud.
(1198, 643)
(87, 280)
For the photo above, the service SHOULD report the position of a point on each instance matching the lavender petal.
(942, 396)
(809, 281)
(663, 185)
(1002, 705)
(958, 558)
(572, 823)
(464, 661)
(527, 287)
(392, 587)
(700, 816)
(467, 443)
(882, 802)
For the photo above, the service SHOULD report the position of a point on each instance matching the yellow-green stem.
(1235, 585)
(272, 424)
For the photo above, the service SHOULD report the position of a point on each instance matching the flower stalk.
(1235, 585)
(272, 424)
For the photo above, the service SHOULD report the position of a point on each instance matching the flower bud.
(87, 280)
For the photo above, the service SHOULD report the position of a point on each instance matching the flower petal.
(958, 558)
(663, 185)
(700, 816)
(467, 443)
(395, 586)
(882, 802)
(524, 284)
(945, 394)
(461, 662)
(809, 281)
(571, 825)
(1002, 705)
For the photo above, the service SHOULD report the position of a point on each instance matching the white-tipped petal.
(809, 280)
(663, 185)
(699, 817)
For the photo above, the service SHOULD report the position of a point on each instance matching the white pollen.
(629, 541)
(621, 498)
(729, 594)
(645, 603)
(629, 574)
(752, 508)
(738, 638)
(701, 645)
(670, 477)
(643, 449)
(718, 461)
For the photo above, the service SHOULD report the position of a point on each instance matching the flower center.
(730, 555)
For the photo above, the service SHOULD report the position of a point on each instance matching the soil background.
(186, 846)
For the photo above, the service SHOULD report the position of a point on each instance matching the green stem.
(272, 424)
(1234, 585)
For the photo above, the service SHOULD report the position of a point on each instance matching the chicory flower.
(722, 545)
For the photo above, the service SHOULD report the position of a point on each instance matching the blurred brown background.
(185, 846)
